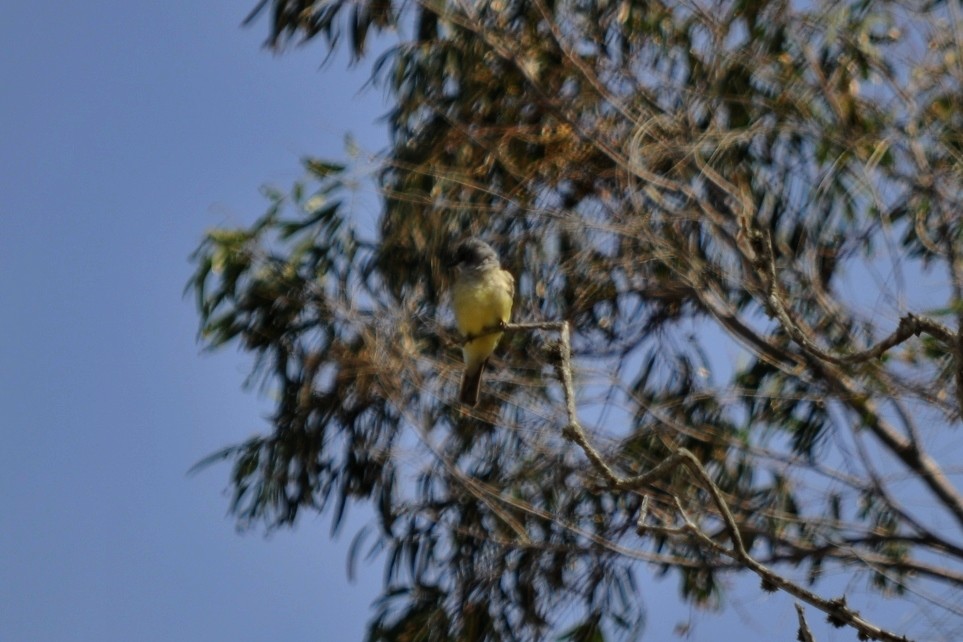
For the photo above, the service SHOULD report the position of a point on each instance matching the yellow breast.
(479, 303)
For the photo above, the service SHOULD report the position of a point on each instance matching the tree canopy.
(748, 214)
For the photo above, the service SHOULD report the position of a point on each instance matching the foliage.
(726, 200)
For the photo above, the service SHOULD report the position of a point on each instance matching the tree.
(739, 223)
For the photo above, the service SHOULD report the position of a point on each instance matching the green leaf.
(322, 169)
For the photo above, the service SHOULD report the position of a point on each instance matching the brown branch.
(904, 449)
(956, 278)
(909, 325)
(836, 609)
(509, 328)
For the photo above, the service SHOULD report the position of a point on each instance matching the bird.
(482, 295)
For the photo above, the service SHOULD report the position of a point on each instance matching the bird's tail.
(471, 383)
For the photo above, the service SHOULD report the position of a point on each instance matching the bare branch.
(910, 325)
(836, 609)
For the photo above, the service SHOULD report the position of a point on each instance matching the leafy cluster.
(724, 200)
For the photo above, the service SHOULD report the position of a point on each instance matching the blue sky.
(126, 130)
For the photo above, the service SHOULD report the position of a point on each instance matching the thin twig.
(805, 635)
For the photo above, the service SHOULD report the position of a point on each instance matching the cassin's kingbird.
(481, 298)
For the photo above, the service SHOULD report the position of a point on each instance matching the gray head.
(474, 254)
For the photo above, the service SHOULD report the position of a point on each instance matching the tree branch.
(909, 325)
(837, 611)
